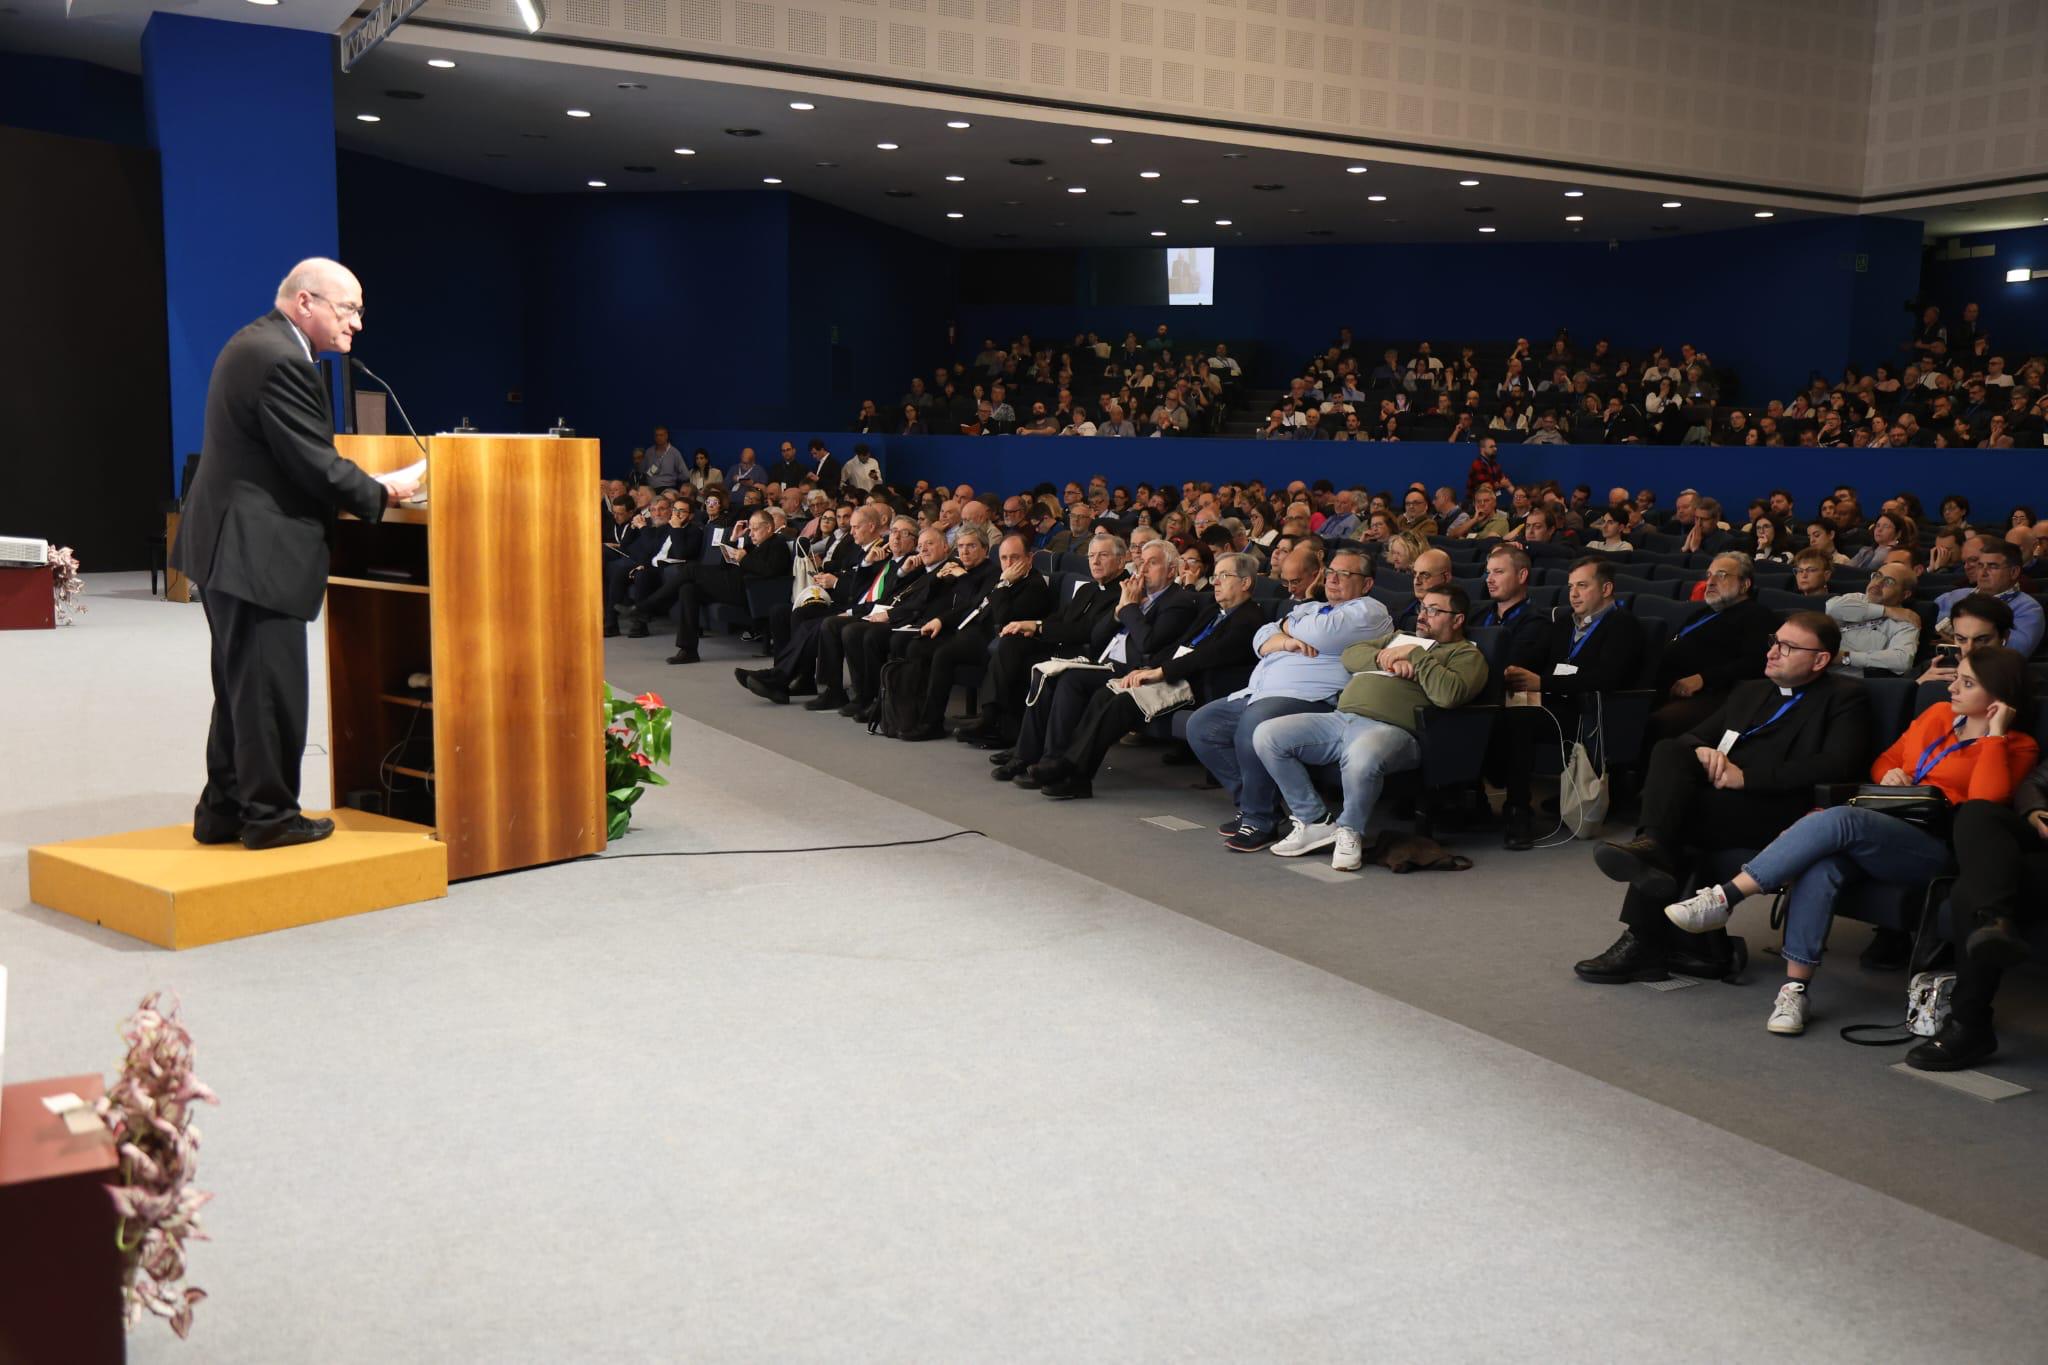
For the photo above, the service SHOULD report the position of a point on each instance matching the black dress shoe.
(1007, 771)
(1954, 1047)
(1070, 789)
(1996, 944)
(1024, 779)
(1643, 863)
(1724, 964)
(802, 687)
(1050, 770)
(1627, 959)
(683, 656)
(297, 830)
(209, 833)
(1002, 756)
(866, 714)
(1889, 950)
(831, 699)
(765, 686)
(1519, 833)
(852, 707)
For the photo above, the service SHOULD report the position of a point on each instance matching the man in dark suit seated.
(1508, 607)
(1598, 648)
(1705, 535)
(860, 647)
(844, 579)
(656, 554)
(1735, 781)
(760, 555)
(1152, 613)
(1719, 646)
(1212, 658)
(1082, 624)
(960, 635)
(254, 535)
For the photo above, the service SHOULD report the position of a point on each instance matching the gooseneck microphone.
(375, 378)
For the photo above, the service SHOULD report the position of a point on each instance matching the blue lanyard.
(1581, 642)
(1501, 618)
(1790, 702)
(1930, 760)
(1208, 630)
(1692, 626)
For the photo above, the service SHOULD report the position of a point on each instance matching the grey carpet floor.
(955, 1101)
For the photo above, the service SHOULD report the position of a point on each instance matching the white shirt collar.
(304, 344)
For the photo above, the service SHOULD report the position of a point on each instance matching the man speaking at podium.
(253, 534)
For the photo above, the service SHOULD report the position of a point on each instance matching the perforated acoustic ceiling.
(1960, 93)
(1759, 91)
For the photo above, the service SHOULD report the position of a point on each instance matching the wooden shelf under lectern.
(493, 589)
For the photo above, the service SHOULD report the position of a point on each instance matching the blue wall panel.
(2016, 315)
(242, 117)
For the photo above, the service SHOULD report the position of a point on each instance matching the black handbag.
(1924, 808)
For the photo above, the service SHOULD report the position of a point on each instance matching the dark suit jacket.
(1825, 738)
(685, 543)
(1527, 631)
(788, 473)
(1222, 662)
(1723, 651)
(1610, 659)
(770, 559)
(255, 519)
(1028, 599)
(1084, 622)
(827, 471)
(1150, 635)
(960, 591)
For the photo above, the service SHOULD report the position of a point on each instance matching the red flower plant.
(650, 700)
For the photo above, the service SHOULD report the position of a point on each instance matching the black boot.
(1519, 833)
(1954, 1047)
(1643, 863)
(1627, 959)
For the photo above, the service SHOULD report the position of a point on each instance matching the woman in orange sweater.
(1965, 746)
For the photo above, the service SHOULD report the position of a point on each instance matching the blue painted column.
(242, 118)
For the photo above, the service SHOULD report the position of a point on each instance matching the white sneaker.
(1705, 910)
(1306, 838)
(1350, 854)
(1788, 1015)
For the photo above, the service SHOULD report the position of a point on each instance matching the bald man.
(253, 535)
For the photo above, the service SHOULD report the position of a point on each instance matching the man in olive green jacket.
(1372, 731)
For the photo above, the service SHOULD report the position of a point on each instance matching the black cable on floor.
(819, 848)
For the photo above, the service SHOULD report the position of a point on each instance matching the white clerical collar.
(1784, 691)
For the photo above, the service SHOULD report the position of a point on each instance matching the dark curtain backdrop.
(85, 406)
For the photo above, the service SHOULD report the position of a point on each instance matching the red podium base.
(28, 599)
(60, 1273)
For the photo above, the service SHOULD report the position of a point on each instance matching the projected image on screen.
(1191, 274)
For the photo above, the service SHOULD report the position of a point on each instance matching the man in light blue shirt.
(1342, 524)
(1300, 668)
(1998, 575)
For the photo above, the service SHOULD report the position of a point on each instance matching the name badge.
(1728, 738)
(1182, 652)
(1564, 670)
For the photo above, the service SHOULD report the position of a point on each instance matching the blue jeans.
(1828, 849)
(1364, 749)
(1221, 736)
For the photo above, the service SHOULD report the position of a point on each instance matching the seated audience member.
(1610, 528)
(1968, 746)
(655, 555)
(1432, 569)
(860, 574)
(1212, 655)
(1974, 622)
(1487, 521)
(1402, 551)
(1448, 515)
(1737, 779)
(1078, 423)
(1880, 633)
(1507, 606)
(857, 644)
(704, 474)
(1597, 648)
(1080, 625)
(1371, 734)
(1705, 535)
(1415, 513)
(1342, 524)
(1820, 535)
(1298, 669)
(787, 469)
(1889, 532)
(747, 471)
(1811, 572)
(960, 635)
(2001, 884)
(1998, 575)
(759, 555)
(1152, 613)
(1719, 645)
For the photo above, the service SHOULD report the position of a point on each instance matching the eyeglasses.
(1786, 646)
(1431, 609)
(344, 311)
(1343, 573)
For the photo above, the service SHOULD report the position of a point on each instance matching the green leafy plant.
(636, 738)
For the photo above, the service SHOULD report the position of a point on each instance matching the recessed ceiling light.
(686, 151)
(885, 146)
(1234, 156)
(1354, 170)
(959, 123)
(956, 215)
(1222, 222)
(263, 2)
(1575, 218)
(1158, 234)
(1376, 198)
(743, 132)
(1575, 194)
(1148, 175)
(1468, 184)
(801, 107)
(595, 184)
(1765, 213)
(577, 113)
(957, 179)
(440, 63)
(1102, 141)
(368, 118)
(770, 180)
(631, 85)
(1013, 203)
(532, 14)
(1190, 201)
(1486, 229)
(1672, 204)
(1077, 189)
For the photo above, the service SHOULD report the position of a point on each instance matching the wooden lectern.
(493, 588)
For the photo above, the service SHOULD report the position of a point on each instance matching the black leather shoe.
(1724, 965)
(1954, 1047)
(1071, 789)
(1993, 944)
(972, 732)
(1519, 834)
(209, 833)
(1007, 771)
(297, 830)
(1002, 756)
(852, 707)
(1643, 863)
(1024, 779)
(866, 714)
(1889, 950)
(1628, 959)
(764, 686)
(683, 656)
(802, 687)
(831, 699)
(1050, 770)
